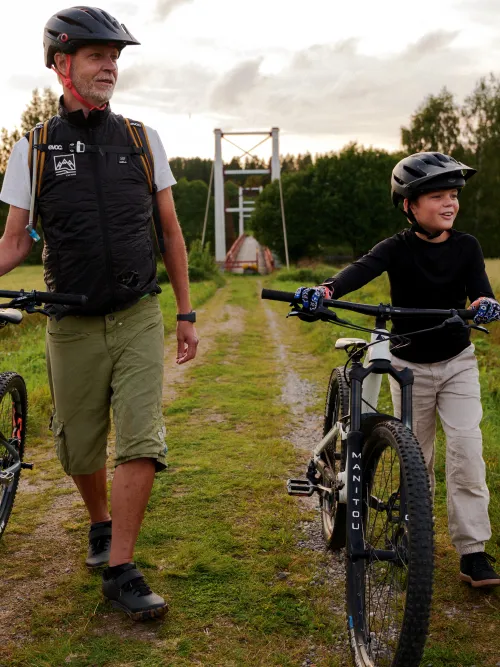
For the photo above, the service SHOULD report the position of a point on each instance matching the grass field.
(221, 540)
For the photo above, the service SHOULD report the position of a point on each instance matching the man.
(95, 206)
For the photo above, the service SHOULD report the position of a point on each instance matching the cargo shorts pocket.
(57, 428)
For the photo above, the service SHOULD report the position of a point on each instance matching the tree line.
(342, 199)
(337, 203)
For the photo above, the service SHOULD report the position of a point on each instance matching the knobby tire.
(389, 602)
(13, 417)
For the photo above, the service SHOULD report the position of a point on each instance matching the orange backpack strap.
(140, 139)
(36, 162)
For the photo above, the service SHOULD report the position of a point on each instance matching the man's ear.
(61, 63)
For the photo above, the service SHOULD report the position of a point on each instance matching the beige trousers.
(452, 389)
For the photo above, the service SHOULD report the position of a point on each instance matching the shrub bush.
(201, 266)
(306, 276)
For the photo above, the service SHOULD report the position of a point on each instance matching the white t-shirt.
(16, 188)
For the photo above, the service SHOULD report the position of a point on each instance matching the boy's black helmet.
(72, 28)
(425, 172)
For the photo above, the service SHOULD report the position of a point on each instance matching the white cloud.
(166, 7)
(325, 72)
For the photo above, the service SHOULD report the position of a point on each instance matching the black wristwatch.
(187, 317)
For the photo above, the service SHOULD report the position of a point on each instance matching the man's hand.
(187, 342)
(488, 310)
(311, 298)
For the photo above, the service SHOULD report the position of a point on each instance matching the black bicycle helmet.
(72, 28)
(423, 172)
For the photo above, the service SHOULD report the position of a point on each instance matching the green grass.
(465, 637)
(219, 529)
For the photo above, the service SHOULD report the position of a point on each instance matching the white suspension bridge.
(246, 255)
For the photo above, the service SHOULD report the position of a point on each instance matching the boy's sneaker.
(125, 587)
(476, 569)
(99, 544)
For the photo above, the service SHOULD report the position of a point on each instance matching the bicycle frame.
(7, 475)
(377, 363)
(365, 382)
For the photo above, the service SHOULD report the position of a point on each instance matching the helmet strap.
(68, 83)
(416, 227)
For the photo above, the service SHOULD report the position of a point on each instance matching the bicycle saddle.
(10, 315)
(342, 343)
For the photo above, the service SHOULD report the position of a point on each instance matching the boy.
(431, 265)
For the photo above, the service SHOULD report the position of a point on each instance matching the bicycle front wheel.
(389, 591)
(13, 414)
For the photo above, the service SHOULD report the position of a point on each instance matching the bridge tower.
(244, 208)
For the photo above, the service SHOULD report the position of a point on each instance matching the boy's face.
(435, 211)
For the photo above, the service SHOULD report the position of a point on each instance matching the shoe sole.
(144, 615)
(94, 566)
(479, 584)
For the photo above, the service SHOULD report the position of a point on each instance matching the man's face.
(94, 72)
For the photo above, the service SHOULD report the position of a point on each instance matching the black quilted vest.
(95, 209)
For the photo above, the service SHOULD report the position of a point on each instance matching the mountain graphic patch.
(65, 165)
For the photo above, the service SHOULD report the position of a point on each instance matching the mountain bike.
(374, 493)
(14, 397)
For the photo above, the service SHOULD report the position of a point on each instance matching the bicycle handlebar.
(365, 309)
(40, 298)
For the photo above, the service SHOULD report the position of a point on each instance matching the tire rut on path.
(299, 394)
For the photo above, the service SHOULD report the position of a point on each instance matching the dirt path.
(51, 554)
(52, 550)
(299, 394)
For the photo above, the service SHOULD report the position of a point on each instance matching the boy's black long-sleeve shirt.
(423, 275)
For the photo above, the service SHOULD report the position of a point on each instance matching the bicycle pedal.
(27, 466)
(6, 478)
(300, 487)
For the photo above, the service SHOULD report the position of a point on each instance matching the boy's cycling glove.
(488, 310)
(312, 297)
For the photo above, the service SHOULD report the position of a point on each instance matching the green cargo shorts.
(100, 363)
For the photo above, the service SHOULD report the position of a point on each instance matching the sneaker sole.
(144, 615)
(96, 564)
(479, 584)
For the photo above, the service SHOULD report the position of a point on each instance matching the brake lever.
(32, 309)
(303, 315)
(478, 328)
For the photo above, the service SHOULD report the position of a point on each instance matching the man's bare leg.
(95, 494)
(130, 493)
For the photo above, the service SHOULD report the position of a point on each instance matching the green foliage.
(306, 276)
(41, 107)
(343, 198)
(190, 203)
(435, 126)
(202, 264)
(471, 133)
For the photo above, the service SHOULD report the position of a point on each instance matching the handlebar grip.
(64, 299)
(467, 314)
(277, 295)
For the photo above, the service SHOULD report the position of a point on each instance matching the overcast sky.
(325, 71)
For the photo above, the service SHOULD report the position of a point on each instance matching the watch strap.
(187, 317)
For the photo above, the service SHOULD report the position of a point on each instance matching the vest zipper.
(95, 157)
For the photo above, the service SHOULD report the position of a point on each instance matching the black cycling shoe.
(476, 570)
(125, 587)
(99, 544)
